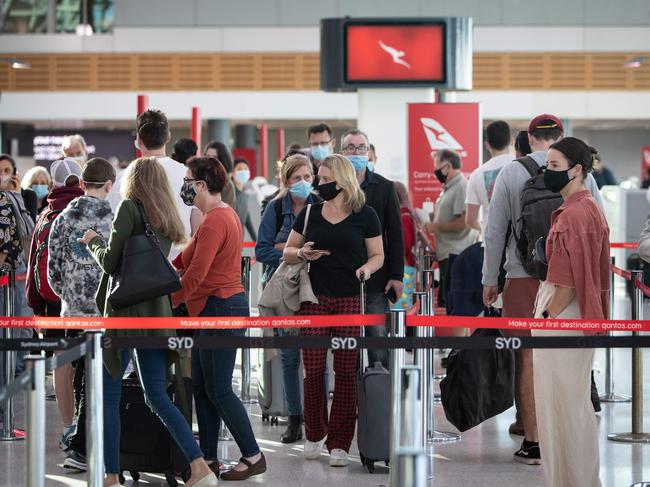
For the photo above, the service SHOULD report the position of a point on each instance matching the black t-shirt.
(334, 274)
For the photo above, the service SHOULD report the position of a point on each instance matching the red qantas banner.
(436, 126)
(645, 160)
(395, 53)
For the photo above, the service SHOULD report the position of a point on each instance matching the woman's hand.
(363, 273)
(88, 236)
(307, 252)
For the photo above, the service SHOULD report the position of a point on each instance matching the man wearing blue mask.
(321, 141)
(380, 193)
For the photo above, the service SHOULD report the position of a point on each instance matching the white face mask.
(242, 176)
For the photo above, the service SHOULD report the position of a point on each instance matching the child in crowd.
(72, 272)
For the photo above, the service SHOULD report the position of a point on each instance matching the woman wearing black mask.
(343, 242)
(211, 280)
(577, 286)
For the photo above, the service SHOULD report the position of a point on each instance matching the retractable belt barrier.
(317, 321)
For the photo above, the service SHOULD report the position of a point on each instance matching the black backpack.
(537, 203)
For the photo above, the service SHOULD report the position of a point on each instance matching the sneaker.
(338, 458)
(64, 442)
(75, 460)
(313, 449)
(529, 453)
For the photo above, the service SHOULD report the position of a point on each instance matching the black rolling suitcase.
(373, 404)
(145, 443)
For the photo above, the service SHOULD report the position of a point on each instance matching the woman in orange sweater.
(211, 279)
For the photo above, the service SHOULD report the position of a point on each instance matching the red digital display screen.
(395, 53)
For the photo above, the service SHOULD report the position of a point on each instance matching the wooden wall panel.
(301, 71)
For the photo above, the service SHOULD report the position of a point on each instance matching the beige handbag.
(289, 287)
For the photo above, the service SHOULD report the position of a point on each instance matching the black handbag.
(479, 384)
(144, 272)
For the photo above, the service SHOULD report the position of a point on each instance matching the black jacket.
(381, 196)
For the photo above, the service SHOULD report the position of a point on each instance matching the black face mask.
(188, 194)
(440, 175)
(555, 181)
(328, 191)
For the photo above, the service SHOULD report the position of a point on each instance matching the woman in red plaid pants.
(341, 239)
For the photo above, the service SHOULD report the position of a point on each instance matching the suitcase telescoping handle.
(363, 357)
(362, 294)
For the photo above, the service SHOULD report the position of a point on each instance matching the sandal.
(251, 469)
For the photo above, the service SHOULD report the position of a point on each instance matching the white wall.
(620, 149)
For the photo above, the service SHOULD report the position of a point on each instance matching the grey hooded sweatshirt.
(72, 271)
(505, 208)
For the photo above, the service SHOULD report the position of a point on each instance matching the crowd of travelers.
(70, 228)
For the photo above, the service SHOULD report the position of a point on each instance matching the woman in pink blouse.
(576, 286)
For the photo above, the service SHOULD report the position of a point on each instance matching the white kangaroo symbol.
(397, 55)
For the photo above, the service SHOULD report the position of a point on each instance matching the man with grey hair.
(385, 284)
(74, 147)
(449, 226)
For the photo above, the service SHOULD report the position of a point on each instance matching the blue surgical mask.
(359, 162)
(371, 166)
(41, 190)
(301, 189)
(320, 152)
(242, 176)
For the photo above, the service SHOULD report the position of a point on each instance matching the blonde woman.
(146, 181)
(39, 181)
(342, 242)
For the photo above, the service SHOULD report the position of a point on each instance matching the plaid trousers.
(340, 426)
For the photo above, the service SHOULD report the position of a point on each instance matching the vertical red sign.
(436, 126)
(645, 160)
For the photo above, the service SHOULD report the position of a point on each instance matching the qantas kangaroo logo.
(396, 54)
(438, 136)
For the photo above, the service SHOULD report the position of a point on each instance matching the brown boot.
(251, 469)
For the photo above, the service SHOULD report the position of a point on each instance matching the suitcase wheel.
(387, 463)
(370, 465)
(122, 479)
(274, 420)
(185, 475)
(135, 476)
(171, 479)
(265, 417)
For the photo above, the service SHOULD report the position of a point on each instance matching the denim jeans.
(212, 383)
(377, 303)
(292, 380)
(152, 370)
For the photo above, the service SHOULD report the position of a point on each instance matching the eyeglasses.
(351, 148)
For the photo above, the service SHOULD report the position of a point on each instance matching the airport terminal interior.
(416, 94)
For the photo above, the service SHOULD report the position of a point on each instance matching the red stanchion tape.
(4, 281)
(620, 272)
(644, 289)
(624, 245)
(193, 323)
(318, 322)
(527, 323)
(248, 245)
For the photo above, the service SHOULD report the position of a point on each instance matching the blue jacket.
(265, 251)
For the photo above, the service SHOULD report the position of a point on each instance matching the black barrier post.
(95, 409)
(610, 395)
(8, 433)
(35, 463)
(637, 435)
(245, 394)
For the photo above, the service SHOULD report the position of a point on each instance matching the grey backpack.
(537, 203)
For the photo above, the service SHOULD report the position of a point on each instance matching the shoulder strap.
(304, 228)
(279, 215)
(530, 165)
(148, 230)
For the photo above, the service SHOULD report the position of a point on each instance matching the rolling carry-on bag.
(373, 404)
(145, 443)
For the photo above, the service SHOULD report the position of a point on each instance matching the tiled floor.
(483, 457)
